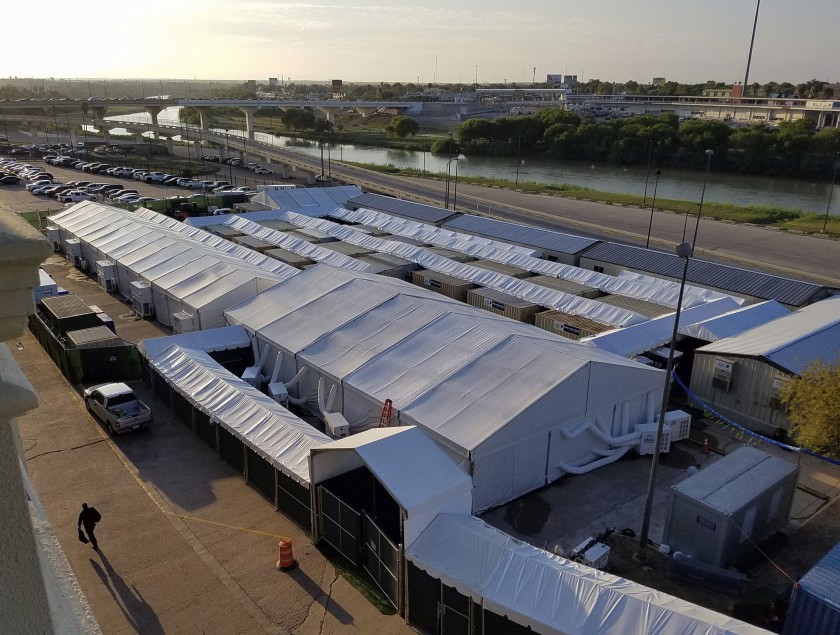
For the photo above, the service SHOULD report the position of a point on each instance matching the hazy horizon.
(437, 42)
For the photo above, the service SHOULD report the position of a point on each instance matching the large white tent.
(270, 430)
(515, 406)
(549, 594)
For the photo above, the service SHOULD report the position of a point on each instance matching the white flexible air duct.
(583, 469)
(624, 440)
(278, 366)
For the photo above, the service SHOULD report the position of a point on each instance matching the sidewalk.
(185, 545)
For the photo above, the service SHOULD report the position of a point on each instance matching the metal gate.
(452, 621)
(381, 558)
(341, 525)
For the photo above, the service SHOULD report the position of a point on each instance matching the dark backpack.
(95, 515)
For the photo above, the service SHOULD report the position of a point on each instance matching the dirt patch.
(528, 515)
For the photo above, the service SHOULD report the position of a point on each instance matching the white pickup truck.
(118, 407)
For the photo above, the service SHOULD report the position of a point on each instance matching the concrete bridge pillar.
(249, 111)
(198, 151)
(330, 112)
(170, 146)
(154, 111)
(365, 112)
(106, 133)
(203, 117)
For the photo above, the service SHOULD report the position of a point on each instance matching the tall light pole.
(830, 192)
(446, 198)
(424, 149)
(709, 154)
(321, 143)
(652, 207)
(749, 57)
(647, 174)
(455, 194)
(685, 251)
(518, 155)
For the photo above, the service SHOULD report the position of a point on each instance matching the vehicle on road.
(118, 407)
(262, 170)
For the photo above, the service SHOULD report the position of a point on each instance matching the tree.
(813, 401)
(402, 126)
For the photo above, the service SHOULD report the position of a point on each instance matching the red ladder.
(385, 418)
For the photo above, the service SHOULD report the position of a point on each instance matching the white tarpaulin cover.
(522, 289)
(491, 391)
(631, 285)
(734, 322)
(414, 471)
(642, 338)
(312, 201)
(209, 341)
(265, 426)
(552, 595)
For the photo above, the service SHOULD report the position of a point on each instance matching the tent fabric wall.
(244, 413)
(486, 389)
(549, 594)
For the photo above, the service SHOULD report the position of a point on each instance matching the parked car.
(222, 188)
(154, 177)
(74, 196)
(37, 184)
(262, 170)
(123, 171)
(170, 180)
(188, 183)
(55, 190)
(42, 190)
(139, 175)
(211, 157)
(9, 179)
(118, 407)
(114, 195)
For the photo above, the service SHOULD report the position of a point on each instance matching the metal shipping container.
(446, 285)
(500, 267)
(224, 231)
(402, 239)
(68, 313)
(95, 337)
(254, 243)
(348, 249)
(289, 257)
(457, 256)
(573, 327)
(314, 236)
(643, 307)
(815, 605)
(503, 304)
(277, 225)
(717, 514)
(566, 286)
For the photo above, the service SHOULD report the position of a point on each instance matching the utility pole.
(534, 78)
(749, 57)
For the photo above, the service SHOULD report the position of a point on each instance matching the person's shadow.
(138, 613)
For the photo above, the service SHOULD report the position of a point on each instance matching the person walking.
(88, 518)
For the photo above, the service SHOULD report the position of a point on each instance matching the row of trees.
(793, 148)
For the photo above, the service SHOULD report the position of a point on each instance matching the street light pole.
(830, 192)
(652, 207)
(518, 155)
(321, 143)
(446, 198)
(709, 154)
(647, 174)
(455, 194)
(685, 251)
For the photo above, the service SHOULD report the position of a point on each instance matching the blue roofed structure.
(399, 207)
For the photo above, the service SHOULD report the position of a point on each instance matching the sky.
(424, 40)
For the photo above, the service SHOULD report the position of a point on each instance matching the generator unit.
(680, 424)
(183, 322)
(647, 441)
(54, 236)
(73, 253)
(337, 425)
(106, 275)
(591, 553)
(141, 298)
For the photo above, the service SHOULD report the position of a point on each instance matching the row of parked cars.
(256, 168)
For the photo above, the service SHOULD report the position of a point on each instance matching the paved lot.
(185, 545)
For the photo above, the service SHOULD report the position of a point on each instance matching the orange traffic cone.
(287, 559)
(705, 449)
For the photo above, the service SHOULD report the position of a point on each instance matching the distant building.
(272, 81)
(658, 81)
(565, 81)
(552, 80)
(251, 84)
(719, 92)
(337, 88)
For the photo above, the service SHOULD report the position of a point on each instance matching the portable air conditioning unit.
(83, 263)
(54, 235)
(73, 248)
(591, 553)
(183, 322)
(680, 424)
(77, 261)
(251, 375)
(141, 299)
(106, 275)
(647, 442)
(278, 392)
(337, 426)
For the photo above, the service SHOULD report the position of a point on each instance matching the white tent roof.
(409, 465)
(640, 338)
(208, 341)
(312, 201)
(550, 594)
(550, 298)
(631, 285)
(734, 322)
(265, 426)
(792, 342)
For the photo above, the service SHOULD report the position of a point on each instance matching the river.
(679, 184)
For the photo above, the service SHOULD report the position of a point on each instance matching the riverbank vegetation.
(768, 215)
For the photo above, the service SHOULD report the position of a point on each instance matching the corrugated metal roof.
(735, 322)
(792, 342)
(823, 580)
(399, 207)
(522, 234)
(713, 274)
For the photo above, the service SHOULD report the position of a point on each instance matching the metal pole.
(647, 174)
(685, 251)
(749, 57)
(518, 154)
(455, 194)
(446, 199)
(709, 154)
(652, 207)
(321, 143)
(830, 192)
